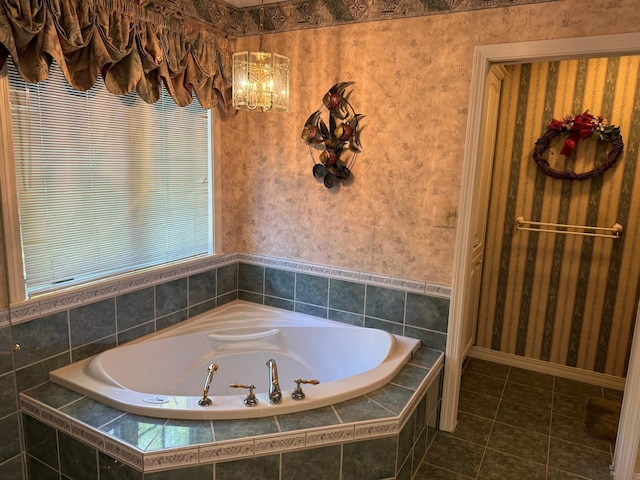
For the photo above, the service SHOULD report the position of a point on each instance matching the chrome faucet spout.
(275, 394)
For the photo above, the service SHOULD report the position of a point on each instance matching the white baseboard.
(571, 373)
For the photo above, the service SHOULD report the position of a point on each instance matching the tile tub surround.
(51, 330)
(401, 307)
(383, 434)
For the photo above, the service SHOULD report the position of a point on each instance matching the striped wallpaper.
(565, 299)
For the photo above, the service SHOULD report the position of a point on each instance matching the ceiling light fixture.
(260, 80)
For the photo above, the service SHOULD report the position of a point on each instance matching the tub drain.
(156, 400)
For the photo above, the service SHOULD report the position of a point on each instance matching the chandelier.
(260, 79)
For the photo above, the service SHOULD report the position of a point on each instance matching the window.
(106, 184)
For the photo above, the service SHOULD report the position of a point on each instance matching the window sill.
(51, 302)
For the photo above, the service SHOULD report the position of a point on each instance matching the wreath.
(578, 127)
(338, 143)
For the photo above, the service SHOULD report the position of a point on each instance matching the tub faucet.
(275, 394)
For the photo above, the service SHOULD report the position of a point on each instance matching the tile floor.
(518, 424)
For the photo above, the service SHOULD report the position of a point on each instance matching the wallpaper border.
(293, 15)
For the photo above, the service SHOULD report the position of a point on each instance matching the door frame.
(483, 58)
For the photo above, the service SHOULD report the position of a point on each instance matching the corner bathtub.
(163, 374)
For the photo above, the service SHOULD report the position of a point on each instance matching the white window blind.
(106, 184)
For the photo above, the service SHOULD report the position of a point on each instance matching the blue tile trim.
(279, 283)
(312, 289)
(347, 296)
(134, 308)
(385, 303)
(251, 278)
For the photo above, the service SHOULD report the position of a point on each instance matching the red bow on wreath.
(579, 126)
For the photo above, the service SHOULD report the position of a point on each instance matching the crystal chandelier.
(260, 80)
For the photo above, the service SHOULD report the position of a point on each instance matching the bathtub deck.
(152, 444)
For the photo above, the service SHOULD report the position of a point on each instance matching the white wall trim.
(555, 369)
(215, 182)
(545, 50)
(463, 245)
(9, 198)
(626, 452)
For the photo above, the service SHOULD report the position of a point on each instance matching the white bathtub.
(163, 375)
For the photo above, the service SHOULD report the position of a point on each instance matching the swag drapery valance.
(133, 47)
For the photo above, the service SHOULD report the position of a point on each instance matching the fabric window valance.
(131, 46)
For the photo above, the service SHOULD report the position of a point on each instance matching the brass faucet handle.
(251, 386)
(251, 400)
(297, 393)
(298, 381)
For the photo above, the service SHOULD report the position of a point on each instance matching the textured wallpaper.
(412, 83)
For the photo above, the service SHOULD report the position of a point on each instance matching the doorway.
(484, 58)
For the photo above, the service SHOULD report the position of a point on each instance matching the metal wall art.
(334, 147)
